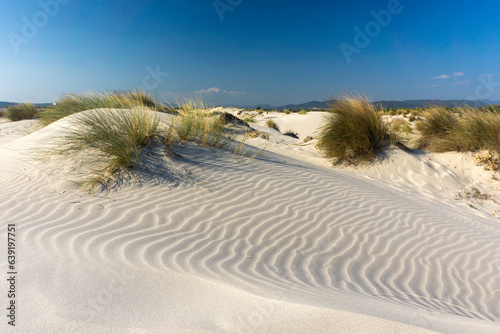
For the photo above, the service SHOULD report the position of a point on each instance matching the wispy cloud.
(440, 77)
(210, 91)
(456, 83)
(217, 90)
(433, 85)
(446, 76)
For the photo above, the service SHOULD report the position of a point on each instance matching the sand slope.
(271, 245)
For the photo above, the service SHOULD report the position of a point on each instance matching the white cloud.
(446, 76)
(216, 90)
(210, 91)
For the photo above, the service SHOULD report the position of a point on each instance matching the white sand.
(273, 245)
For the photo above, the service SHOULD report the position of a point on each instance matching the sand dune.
(270, 245)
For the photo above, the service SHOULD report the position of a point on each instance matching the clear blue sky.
(262, 52)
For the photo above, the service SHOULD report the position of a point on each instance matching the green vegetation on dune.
(21, 111)
(443, 130)
(107, 141)
(73, 103)
(353, 131)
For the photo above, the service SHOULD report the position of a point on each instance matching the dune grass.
(442, 130)
(353, 131)
(107, 141)
(437, 130)
(401, 125)
(21, 111)
(74, 103)
(194, 122)
(272, 125)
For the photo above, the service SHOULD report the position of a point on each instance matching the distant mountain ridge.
(407, 104)
(4, 104)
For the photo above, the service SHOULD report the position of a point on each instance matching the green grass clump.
(442, 130)
(354, 131)
(479, 130)
(73, 103)
(302, 112)
(437, 129)
(272, 125)
(248, 119)
(401, 125)
(107, 141)
(194, 122)
(21, 111)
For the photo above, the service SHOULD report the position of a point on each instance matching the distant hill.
(407, 104)
(308, 105)
(411, 104)
(4, 104)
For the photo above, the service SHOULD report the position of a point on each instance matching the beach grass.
(401, 125)
(471, 129)
(21, 111)
(73, 103)
(437, 130)
(353, 131)
(107, 141)
(272, 125)
(194, 122)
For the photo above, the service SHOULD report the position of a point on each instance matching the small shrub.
(308, 139)
(302, 112)
(287, 112)
(271, 124)
(21, 111)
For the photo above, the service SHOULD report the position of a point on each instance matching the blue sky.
(242, 52)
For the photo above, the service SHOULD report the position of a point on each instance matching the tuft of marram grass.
(443, 130)
(401, 125)
(107, 141)
(270, 123)
(21, 111)
(73, 103)
(194, 122)
(436, 130)
(479, 130)
(353, 131)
